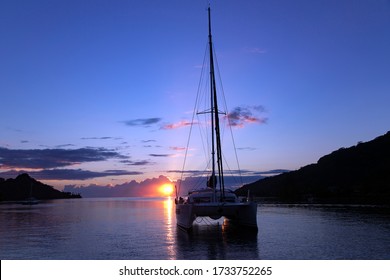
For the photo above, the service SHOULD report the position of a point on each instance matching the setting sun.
(166, 189)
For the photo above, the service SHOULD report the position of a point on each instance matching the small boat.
(213, 199)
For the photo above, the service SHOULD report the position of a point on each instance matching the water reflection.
(116, 228)
(135, 228)
(324, 232)
(169, 228)
(216, 240)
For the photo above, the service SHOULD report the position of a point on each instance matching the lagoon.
(145, 228)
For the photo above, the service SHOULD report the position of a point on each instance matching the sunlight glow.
(166, 189)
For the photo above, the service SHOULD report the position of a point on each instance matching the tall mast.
(216, 140)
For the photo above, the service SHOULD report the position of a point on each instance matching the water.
(129, 228)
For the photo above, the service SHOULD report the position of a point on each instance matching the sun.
(166, 189)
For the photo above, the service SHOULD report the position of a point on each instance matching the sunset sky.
(101, 91)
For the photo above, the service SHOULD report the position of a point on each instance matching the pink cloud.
(176, 125)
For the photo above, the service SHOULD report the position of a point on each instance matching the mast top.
(209, 14)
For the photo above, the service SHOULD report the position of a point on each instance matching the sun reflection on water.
(170, 238)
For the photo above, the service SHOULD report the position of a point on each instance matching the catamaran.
(213, 199)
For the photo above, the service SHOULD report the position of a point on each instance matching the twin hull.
(244, 214)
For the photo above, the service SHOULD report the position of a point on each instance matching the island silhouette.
(356, 175)
(24, 187)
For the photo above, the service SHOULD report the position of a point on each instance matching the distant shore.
(24, 187)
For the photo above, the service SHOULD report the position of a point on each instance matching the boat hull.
(243, 214)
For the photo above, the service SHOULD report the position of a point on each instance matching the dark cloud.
(243, 115)
(53, 158)
(186, 172)
(137, 162)
(271, 172)
(64, 145)
(69, 174)
(160, 155)
(142, 122)
(148, 143)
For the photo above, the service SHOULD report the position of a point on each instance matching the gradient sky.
(101, 91)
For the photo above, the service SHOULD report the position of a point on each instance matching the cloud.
(271, 172)
(142, 122)
(53, 158)
(137, 162)
(179, 124)
(69, 174)
(243, 115)
(177, 148)
(65, 145)
(187, 172)
(148, 187)
(160, 155)
(148, 141)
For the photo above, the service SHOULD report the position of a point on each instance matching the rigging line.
(233, 175)
(204, 139)
(192, 122)
(198, 183)
(202, 132)
(205, 103)
(228, 119)
(200, 180)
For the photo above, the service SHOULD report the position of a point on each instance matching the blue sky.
(97, 92)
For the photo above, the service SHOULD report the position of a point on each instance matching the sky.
(101, 92)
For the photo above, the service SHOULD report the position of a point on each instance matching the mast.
(215, 135)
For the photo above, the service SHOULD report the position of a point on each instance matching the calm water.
(128, 228)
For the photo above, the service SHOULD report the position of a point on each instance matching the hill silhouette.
(24, 186)
(358, 174)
